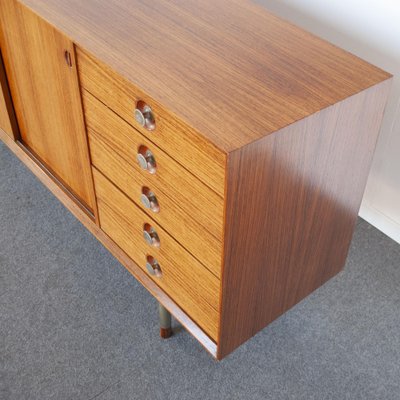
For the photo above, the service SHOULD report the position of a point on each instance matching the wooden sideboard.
(218, 152)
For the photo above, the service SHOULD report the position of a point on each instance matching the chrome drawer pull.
(149, 200)
(144, 116)
(153, 267)
(146, 159)
(150, 235)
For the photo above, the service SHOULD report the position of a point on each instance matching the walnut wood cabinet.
(217, 151)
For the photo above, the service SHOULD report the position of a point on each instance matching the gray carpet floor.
(75, 324)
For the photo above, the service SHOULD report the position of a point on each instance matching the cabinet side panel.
(7, 118)
(292, 203)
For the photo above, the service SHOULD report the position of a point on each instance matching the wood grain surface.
(178, 140)
(251, 112)
(290, 219)
(117, 252)
(228, 68)
(46, 97)
(183, 278)
(8, 121)
(189, 210)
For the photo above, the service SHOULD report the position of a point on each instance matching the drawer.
(183, 278)
(189, 210)
(176, 138)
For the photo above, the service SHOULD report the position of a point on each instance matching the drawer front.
(183, 278)
(177, 139)
(188, 210)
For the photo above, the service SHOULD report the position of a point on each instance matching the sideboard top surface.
(228, 68)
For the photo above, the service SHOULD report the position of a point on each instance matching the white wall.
(371, 30)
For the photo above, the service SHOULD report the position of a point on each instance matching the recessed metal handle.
(150, 235)
(146, 159)
(153, 267)
(144, 116)
(68, 58)
(149, 200)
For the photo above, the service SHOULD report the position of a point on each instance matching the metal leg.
(165, 322)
